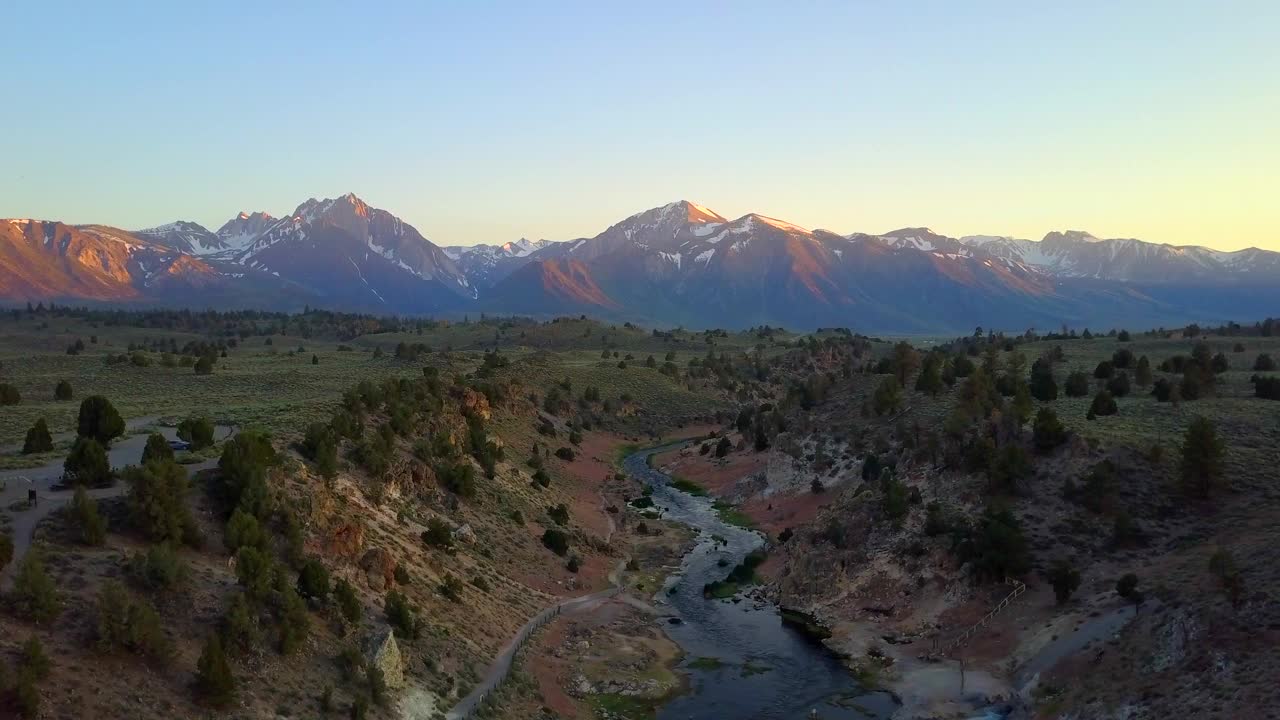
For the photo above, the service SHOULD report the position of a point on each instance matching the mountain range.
(679, 264)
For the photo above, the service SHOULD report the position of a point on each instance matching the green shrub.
(38, 439)
(157, 449)
(99, 420)
(87, 464)
(90, 525)
(157, 500)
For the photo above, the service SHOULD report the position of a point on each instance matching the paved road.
(127, 451)
(502, 663)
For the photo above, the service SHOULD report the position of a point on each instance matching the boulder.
(382, 652)
(379, 568)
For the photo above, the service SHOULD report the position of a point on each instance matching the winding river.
(742, 661)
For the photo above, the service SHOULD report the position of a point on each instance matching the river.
(762, 669)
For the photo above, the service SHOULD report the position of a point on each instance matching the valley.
(764, 524)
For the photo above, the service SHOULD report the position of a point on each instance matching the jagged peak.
(747, 222)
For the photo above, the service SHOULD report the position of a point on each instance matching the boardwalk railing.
(1019, 587)
(474, 702)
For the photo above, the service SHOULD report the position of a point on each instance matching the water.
(767, 670)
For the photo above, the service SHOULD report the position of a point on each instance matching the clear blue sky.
(484, 122)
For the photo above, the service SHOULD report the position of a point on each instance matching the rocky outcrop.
(382, 652)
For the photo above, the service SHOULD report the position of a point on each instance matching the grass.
(706, 663)
(630, 707)
(688, 486)
(256, 385)
(731, 515)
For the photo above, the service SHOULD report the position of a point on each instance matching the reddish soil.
(548, 670)
(777, 513)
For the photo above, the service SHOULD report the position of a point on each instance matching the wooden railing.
(1019, 588)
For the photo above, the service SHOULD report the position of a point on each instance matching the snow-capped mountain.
(1078, 254)
(485, 265)
(681, 263)
(189, 237)
(346, 252)
(240, 231)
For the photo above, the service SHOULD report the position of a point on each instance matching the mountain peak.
(774, 222)
(1077, 236)
(689, 212)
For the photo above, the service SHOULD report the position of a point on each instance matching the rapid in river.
(743, 662)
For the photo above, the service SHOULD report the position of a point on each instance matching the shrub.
(1202, 454)
(90, 525)
(348, 601)
(565, 454)
(1047, 433)
(34, 595)
(87, 464)
(244, 530)
(400, 615)
(157, 449)
(1103, 404)
(451, 588)
(214, 681)
(243, 465)
(1042, 385)
(159, 568)
(887, 397)
(1077, 384)
(438, 534)
(38, 439)
(99, 420)
(559, 514)
(9, 394)
(313, 580)
(198, 431)
(1065, 579)
(1264, 363)
(1119, 385)
(204, 366)
(158, 504)
(320, 445)
(62, 391)
(459, 477)
(1127, 588)
(556, 541)
(255, 572)
(1104, 370)
(996, 547)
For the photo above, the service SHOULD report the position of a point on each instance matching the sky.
(488, 121)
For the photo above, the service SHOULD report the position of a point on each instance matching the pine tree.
(38, 439)
(214, 680)
(1202, 454)
(99, 420)
(91, 526)
(157, 449)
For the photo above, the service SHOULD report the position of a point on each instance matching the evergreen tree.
(1077, 384)
(214, 680)
(1103, 404)
(1142, 375)
(99, 420)
(90, 525)
(1202, 454)
(1043, 386)
(157, 501)
(1065, 579)
(1047, 432)
(38, 439)
(87, 464)
(62, 391)
(157, 449)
